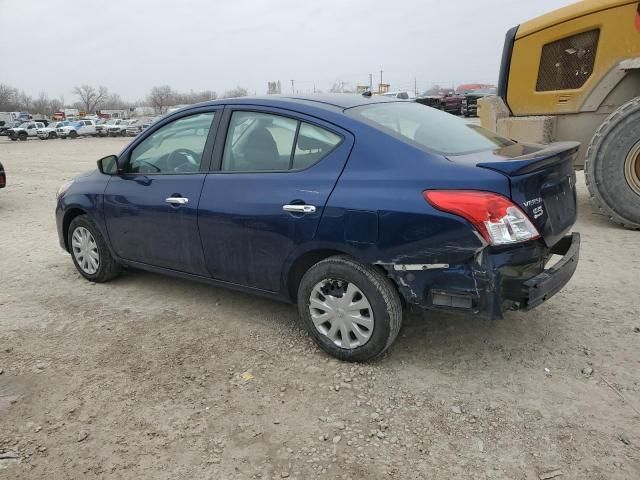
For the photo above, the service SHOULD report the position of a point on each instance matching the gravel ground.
(154, 377)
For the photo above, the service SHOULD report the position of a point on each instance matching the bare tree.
(8, 96)
(434, 90)
(42, 104)
(236, 92)
(114, 102)
(161, 97)
(274, 88)
(339, 87)
(90, 98)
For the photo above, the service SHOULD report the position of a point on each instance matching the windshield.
(24, 124)
(427, 128)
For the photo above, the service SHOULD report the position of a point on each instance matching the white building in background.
(144, 112)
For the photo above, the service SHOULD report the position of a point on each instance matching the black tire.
(13, 139)
(43, 138)
(22, 137)
(108, 268)
(123, 133)
(604, 167)
(52, 135)
(73, 134)
(378, 289)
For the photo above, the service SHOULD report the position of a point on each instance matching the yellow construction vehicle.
(574, 74)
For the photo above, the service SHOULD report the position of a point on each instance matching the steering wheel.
(184, 159)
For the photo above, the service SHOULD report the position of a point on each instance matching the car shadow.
(427, 338)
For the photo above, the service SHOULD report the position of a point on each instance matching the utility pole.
(380, 85)
(314, 87)
(371, 82)
(415, 86)
(293, 87)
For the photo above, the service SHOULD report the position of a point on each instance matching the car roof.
(332, 101)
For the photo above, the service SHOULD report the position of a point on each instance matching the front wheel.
(89, 251)
(351, 310)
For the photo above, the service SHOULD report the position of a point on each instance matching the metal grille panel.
(568, 63)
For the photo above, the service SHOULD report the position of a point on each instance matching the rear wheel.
(89, 251)
(52, 135)
(612, 166)
(351, 310)
(22, 137)
(73, 134)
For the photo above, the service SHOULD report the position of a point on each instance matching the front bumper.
(495, 280)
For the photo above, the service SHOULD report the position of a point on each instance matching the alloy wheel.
(341, 312)
(85, 250)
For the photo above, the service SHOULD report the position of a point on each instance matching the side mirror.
(109, 165)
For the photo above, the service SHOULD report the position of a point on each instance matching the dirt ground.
(159, 378)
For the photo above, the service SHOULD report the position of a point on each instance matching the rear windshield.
(427, 128)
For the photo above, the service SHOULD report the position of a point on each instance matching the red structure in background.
(467, 87)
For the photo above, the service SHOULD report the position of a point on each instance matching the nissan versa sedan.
(353, 207)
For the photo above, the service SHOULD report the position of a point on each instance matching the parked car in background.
(119, 129)
(447, 100)
(102, 128)
(400, 95)
(434, 101)
(150, 122)
(5, 126)
(346, 205)
(26, 129)
(80, 128)
(451, 102)
(134, 128)
(470, 100)
(50, 131)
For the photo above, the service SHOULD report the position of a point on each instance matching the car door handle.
(177, 200)
(299, 208)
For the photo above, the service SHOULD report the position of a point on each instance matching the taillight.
(3, 179)
(497, 218)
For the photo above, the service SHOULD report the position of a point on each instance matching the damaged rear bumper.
(493, 281)
(529, 293)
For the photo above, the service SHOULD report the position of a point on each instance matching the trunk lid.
(542, 181)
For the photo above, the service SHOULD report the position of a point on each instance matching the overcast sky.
(130, 46)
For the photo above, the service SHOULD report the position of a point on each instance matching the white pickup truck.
(81, 128)
(50, 131)
(25, 130)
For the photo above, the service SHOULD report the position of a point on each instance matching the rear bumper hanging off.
(495, 280)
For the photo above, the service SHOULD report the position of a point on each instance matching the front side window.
(176, 148)
(427, 128)
(262, 142)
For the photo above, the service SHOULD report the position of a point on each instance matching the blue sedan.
(350, 206)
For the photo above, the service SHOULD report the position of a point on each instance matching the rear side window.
(427, 128)
(263, 142)
(567, 64)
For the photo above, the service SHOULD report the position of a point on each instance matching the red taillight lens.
(497, 218)
(3, 180)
